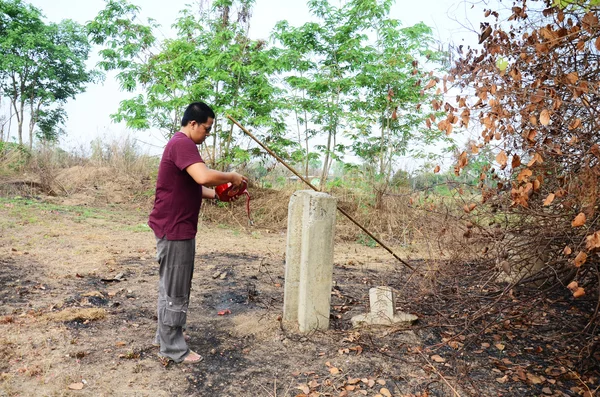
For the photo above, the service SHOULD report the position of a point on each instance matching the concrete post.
(316, 261)
(292, 256)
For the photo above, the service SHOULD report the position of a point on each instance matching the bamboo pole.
(315, 189)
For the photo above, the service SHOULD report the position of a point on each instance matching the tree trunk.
(325, 162)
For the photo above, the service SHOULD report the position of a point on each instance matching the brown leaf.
(535, 159)
(436, 169)
(573, 285)
(579, 220)
(385, 392)
(334, 371)
(502, 158)
(516, 161)
(504, 379)
(572, 77)
(593, 241)
(579, 292)
(549, 199)
(524, 175)
(76, 386)
(547, 391)
(580, 259)
(500, 346)
(595, 150)
(545, 117)
(472, 206)
(536, 380)
(438, 359)
(430, 84)
(567, 250)
(575, 123)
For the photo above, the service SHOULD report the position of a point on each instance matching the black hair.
(199, 112)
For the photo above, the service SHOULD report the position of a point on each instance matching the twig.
(440, 374)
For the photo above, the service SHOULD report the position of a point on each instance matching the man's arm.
(206, 177)
(208, 193)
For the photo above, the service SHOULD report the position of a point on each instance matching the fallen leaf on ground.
(385, 392)
(579, 220)
(536, 380)
(224, 312)
(580, 259)
(438, 359)
(76, 386)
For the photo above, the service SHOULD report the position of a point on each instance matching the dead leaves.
(76, 386)
(438, 359)
(346, 386)
(579, 220)
(576, 289)
(549, 199)
(502, 159)
(545, 117)
(580, 259)
(592, 242)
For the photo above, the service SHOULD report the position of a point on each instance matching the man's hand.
(237, 179)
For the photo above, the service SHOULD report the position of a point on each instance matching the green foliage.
(41, 65)
(345, 83)
(211, 59)
(50, 124)
(13, 157)
(366, 240)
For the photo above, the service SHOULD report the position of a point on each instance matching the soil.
(78, 287)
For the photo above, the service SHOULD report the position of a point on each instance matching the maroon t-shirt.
(178, 196)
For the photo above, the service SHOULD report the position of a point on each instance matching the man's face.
(201, 131)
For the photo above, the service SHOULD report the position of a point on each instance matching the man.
(180, 188)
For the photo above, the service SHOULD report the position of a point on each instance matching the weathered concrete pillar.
(309, 260)
(316, 261)
(292, 256)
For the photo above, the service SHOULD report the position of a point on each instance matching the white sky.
(89, 113)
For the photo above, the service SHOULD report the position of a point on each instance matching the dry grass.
(76, 314)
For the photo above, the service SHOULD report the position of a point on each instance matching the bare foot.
(192, 358)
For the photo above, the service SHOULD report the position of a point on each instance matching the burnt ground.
(78, 292)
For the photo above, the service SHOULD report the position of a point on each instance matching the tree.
(534, 86)
(41, 65)
(211, 59)
(343, 81)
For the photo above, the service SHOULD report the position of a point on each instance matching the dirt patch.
(78, 297)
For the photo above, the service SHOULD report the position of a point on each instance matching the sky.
(89, 113)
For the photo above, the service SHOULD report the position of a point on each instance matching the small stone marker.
(383, 310)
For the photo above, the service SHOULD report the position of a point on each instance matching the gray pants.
(176, 259)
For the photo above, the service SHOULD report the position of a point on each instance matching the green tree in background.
(356, 72)
(211, 59)
(41, 65)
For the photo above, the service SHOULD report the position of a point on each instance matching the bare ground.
(78, 291)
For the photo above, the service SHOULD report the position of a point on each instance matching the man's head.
(197, 121)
